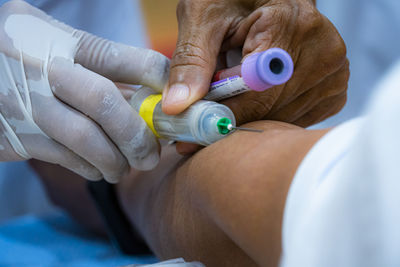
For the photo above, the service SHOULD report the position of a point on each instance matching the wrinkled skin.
(221, 209)
(208, 28)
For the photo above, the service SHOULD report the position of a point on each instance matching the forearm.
(222, 206)
(161, 205)
(225, 204)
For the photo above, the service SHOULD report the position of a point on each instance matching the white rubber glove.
(58, 102)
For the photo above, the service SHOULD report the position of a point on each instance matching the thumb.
(194, 59)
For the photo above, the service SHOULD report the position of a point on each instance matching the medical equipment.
(204, 122)
(258, 72)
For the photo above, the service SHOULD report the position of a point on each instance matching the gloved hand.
(58, 102)
(317, 89)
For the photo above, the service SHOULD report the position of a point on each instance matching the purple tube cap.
(264, 70)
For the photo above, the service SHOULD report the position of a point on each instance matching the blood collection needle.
(231, 127)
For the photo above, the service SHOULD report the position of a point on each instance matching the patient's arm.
(224, 205)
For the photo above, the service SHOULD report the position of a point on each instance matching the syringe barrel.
(197, 124)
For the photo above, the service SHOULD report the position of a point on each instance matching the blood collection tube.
(204, 122)
(258, 72)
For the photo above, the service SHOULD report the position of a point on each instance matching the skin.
(225, 208)
(209, 28)
(222, 206)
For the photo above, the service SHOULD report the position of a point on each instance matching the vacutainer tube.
(258, 72)
(204, 122)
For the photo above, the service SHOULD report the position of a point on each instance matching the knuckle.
(188, 8)
(344, 73)
(335, 85)
(337, 51)
(342, 102)
(341, 50)
(104, 97)
(271, 18)
(333, 48)
(311, 21)
(334, 106)
(341, 79)
(346, 70)
(182, 7)
(189, 54)
(331, 54)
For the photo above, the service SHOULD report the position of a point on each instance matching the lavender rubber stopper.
(264, 70)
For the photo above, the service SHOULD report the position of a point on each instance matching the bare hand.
(207, 28)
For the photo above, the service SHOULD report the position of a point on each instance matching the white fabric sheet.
(343, 208)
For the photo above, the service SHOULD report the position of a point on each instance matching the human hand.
(58, 102)
(208, 28)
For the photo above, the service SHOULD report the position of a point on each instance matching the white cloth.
(371, 30)
(343, 205)
(121, 21)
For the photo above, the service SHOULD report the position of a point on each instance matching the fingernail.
(177, 94)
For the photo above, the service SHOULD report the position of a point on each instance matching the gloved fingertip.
(93, 178)
(90, 174)
(112, 180)
(147, 163)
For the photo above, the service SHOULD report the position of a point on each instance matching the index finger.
(122, 63)
(99, 98)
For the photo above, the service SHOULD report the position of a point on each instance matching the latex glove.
(207, 28)
(58, 102)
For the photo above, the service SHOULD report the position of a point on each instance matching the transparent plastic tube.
(258, 72)
(204, 122)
